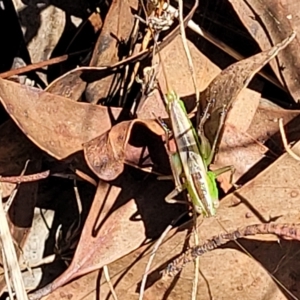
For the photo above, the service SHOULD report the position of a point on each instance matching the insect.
(189, 164)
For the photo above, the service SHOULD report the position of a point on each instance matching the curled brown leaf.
(106, 154)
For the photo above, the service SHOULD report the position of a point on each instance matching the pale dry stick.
(192, 71)
(6, 277)
(285, 143)
(10, 255)
(111, 287)
(230, 51)
(152, 255)
(187, 50)
(25, 178)
(39, 65)
(197, 260)
(18, 180)
(86, 177)
(151, 258)
(79, 204)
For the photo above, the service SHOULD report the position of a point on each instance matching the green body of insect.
(191, 161)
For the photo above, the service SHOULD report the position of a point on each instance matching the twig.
(197, 260)
(152, 255)
(25, 178)
(186, 49)
(285, 143)
(39, 65)
(285, 231)
(155, 248)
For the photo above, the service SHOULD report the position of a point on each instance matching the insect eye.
(171, 96)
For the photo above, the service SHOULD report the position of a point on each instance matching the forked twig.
(285, 231)
(285, 143)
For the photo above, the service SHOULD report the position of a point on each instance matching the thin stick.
(111, 287)
(79, 206)
(285, 143)
(192, 71)
(152, 255)
(25, 178)
(39, 65)
(197, 260)
(186, 49)
(151, 258)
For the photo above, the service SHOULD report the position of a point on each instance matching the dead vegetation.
(80, 85)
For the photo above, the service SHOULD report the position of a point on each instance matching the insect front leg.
(175, 164)
(226, 169)
(178, 189)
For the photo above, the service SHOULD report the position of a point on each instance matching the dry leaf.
(82, 75)
(120, 220)
(277, 19)
(226, 87)
(15, 150)
(57, 125)
(106, 154)
(117, 27)
(179, 77)
(267, 118)
(238, 275)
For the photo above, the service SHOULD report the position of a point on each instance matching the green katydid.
(191, 160)
(190, 163)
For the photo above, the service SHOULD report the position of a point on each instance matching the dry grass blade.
(107, 277)
(151, 258)
(9, 255)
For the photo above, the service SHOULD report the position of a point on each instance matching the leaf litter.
(63, 131)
